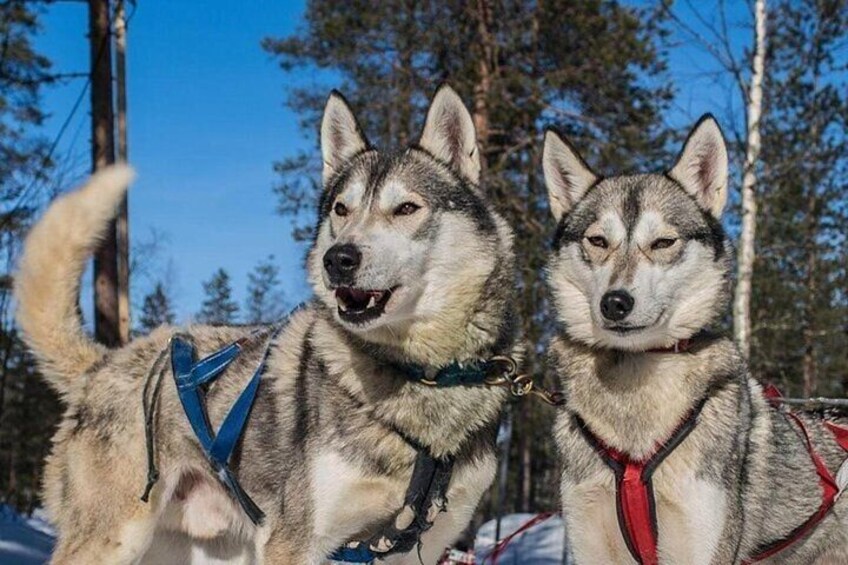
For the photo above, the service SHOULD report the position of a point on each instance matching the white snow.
(543, 544)
(29, 541)
(24, 541)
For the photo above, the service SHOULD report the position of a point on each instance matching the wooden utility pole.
(106, 315)
(122, 227)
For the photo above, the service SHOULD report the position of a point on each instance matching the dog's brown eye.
(406, 209)
(598, 241)
(340, 209)
(662, 243)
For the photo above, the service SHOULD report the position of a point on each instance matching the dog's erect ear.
(449, 133)
(341, 136)
(567, 175)
(701, 167)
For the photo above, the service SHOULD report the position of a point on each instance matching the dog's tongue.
(356, 295)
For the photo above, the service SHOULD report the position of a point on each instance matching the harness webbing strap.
(190, 377)
(425, 495)
(637, 511)
(208, 368)
(840, 434)
(149, 403)
(634, 490)
(830, 491)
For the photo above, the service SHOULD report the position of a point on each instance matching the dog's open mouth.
(357, 306)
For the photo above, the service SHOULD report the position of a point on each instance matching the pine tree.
(592, 68)
(218, 306)
(799, 305)
(265, 302)
(156, 309)
(28, 408)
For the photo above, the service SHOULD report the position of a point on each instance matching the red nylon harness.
(829, 487)
(634, 489)
(635, 506)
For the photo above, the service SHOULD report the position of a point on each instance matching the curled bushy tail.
(49, 272)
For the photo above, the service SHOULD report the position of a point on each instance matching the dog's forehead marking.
(652, 224)
(394, 191)
(631, 206)
(612, 225)
(352, 194)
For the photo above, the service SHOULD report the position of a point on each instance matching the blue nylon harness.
(190, 377)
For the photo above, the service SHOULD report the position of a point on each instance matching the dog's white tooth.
(371, 301)
(342, 305)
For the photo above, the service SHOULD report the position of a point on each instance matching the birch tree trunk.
(746, 254)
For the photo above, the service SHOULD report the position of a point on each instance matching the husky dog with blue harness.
(362, 428)
(671, 452)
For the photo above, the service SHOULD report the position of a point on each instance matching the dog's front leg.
(591, 523)
(467, 486)
(122, 543)
(283, 548)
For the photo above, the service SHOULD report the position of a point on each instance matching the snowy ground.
(28, 541)
(543, 544)
(23, 541)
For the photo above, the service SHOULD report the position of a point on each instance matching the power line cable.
(32, 190)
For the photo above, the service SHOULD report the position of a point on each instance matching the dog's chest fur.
(634, 404)
(341, 414)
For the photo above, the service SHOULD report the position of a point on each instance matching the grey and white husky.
(411, 266)
(671, 452)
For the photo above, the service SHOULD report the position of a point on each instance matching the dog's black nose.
(341, 262)
(616, 305)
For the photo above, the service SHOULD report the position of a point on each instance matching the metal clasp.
(520, 384)
(506, 374)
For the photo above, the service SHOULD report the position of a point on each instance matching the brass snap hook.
(521, 385)
(504, 368)
(511, 366)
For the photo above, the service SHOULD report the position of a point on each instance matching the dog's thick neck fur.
(441, 419)
(635, 400)
(476, 343)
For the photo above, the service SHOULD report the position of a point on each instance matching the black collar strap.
(470, 373)
(500, 370)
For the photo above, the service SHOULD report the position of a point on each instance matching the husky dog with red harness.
(671, 452)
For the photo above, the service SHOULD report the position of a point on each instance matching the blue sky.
(207, 121)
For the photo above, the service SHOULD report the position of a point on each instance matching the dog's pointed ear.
(567, 175)
(341, 136)
(701, 167)
(449, 134)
